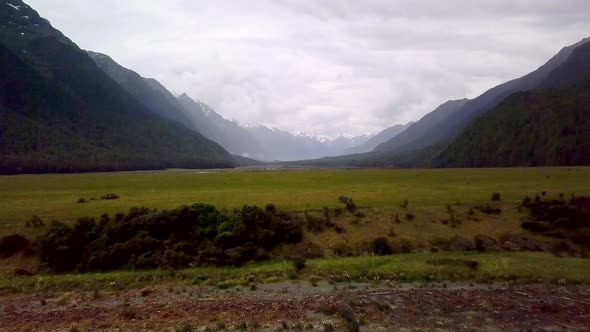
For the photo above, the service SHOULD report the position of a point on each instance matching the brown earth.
(302, 306)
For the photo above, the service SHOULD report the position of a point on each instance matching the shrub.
(343, 250)
(496, 197)
(298, 263)
(410, 216)
(270, 208)
(109, 197)
(241, 326)
(326, 212)
(145, 238)
(12, 244)
(485, 243)
(314, 224)
(185, 327)
(582, 237)
(35, 221)
(526, 201)
(348, 202)
(381, 247)
(81, 200)
(488, 209)
(405, 204)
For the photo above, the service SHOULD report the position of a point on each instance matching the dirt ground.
(301, 305)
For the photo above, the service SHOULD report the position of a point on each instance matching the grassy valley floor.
(442, 283)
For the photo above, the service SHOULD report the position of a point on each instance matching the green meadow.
(56, 196)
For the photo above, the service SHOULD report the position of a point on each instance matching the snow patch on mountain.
(13, 6)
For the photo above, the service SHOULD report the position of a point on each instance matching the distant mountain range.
(67, 110)
(258, 142)
(376, 140)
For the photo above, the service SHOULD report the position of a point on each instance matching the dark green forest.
(547, 127)
(60, 113)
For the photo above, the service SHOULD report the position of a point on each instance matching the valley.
(291, 167)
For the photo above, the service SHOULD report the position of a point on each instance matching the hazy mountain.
(59, 112)
(574, 70)
(545, 127)
(431, 121)
(382, 137)
(147, 91)
(283, 145)
(450, 126)
(229, 134)
(261, 142)
(530, 120)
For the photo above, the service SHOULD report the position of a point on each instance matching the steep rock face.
(60, 113)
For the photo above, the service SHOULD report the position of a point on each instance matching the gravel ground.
(303, 306)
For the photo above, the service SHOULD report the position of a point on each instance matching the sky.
(324, 67)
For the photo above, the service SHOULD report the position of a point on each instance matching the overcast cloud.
(324, 67)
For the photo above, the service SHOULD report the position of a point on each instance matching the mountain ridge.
(451, 126)
(61, 113)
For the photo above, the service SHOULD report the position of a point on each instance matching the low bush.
(146, 238)
(405, 204)
(348, 203)
(343, 250)
(561, 219)
(488, 209)
(109, 197)
(298, 263)
(35, 222)
(381, 247)
(485, 243)
(496, 197)
(12, 244)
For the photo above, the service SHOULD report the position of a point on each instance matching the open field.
(433, 287)
(56, 196)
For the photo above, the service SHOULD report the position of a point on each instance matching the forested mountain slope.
(60, 113)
